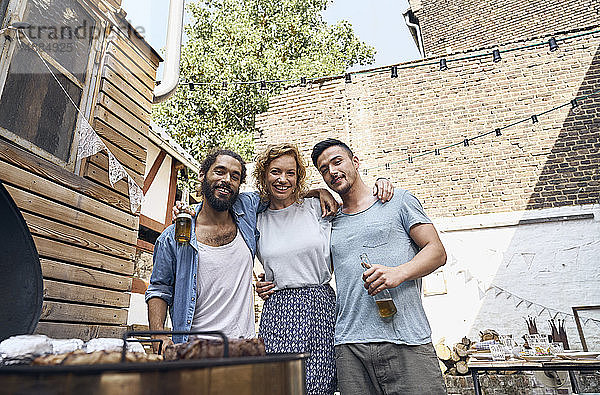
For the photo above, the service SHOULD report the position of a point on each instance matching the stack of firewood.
(453, 361)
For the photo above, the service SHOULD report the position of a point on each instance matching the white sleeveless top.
(225, 298)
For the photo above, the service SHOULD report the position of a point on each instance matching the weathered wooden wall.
(83, 228)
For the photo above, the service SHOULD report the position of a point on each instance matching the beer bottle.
(183, 221)
(384, 300)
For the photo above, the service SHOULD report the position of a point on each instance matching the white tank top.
(225, 299)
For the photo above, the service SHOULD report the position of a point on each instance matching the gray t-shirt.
(294, 245)
(381, 231)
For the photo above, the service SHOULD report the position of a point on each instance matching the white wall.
(156, 198)
(553, 262)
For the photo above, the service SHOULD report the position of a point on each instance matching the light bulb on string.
(443, 64)
(575, 107)
(535, 123)
(552, 44)
(496, 55)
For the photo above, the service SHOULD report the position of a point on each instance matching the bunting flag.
(89, 141)
(116, 171)
(136, 195)
(540, 309)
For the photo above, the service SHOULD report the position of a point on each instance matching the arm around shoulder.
(329, 206)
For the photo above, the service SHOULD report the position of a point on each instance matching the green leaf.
(250, 40)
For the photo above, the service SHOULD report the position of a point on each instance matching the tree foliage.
(250, 40)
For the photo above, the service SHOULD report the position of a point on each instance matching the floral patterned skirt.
(302, 320)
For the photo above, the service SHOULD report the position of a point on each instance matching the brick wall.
(550, 164)
(458, 25)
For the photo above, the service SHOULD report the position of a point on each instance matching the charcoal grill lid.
(20, 272)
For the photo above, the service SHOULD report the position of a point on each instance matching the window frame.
(15, 12)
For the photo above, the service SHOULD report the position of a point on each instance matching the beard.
(208, 191)
(341, 189)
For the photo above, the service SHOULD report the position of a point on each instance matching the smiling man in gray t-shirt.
(376, 355)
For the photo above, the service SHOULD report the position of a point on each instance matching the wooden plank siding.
(79, 331)
(83, 275)
(86, 245)
(132, 58)
(84, 231)
(54, 290)
(68, 234)
(99, 175)
(115, 71)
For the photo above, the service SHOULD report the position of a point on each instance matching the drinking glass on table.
(498, 352)
(556, 348)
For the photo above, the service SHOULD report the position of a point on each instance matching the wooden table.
(520, 365)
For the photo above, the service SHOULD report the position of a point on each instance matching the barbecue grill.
(20, 272)
(21, 290)
(271, 374)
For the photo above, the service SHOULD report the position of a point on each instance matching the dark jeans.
(388, 368)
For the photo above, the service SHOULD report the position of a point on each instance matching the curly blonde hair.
(271, 153)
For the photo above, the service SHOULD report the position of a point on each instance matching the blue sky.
(377, 22)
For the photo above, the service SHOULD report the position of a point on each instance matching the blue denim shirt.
(175, 265)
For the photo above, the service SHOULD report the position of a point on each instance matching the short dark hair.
(212, 157)
(323, 145)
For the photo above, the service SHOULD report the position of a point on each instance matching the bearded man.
(207, 283)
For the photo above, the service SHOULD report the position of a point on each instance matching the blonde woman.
(299, 311)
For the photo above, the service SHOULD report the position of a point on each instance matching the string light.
(263, 85)
(192, 87)
(496, 54)
(497, 131)
(303, 81)
(575, 109)
(224, 85)
(443, 63)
